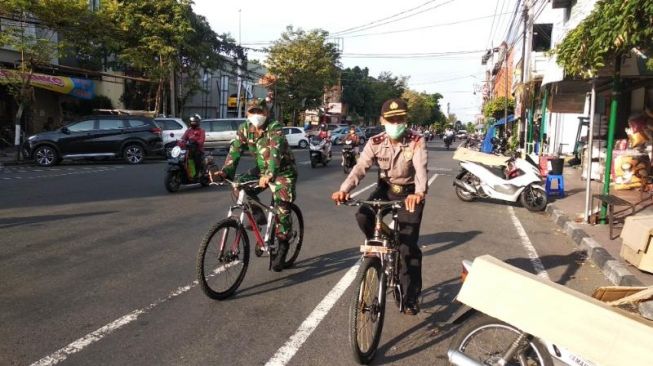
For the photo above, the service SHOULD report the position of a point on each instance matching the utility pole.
(523, 74)
(240, 71)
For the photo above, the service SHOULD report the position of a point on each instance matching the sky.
(443, 26)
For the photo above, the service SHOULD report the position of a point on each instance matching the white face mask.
(256, 119)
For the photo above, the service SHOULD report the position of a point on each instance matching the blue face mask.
(395, 130)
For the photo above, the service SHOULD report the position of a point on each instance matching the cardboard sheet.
(589, 328)
(464, 154)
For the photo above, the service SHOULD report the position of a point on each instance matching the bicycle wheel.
(367, 310)
(296, 235)
(486, 339)
(222, 259)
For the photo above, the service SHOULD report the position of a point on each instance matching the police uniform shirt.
(403, 163)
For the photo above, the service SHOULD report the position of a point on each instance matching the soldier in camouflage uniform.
(275, 162)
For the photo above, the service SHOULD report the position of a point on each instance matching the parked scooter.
(181, 169)
(483, 340)
(521, 180)
(318, 151)
(348, 156)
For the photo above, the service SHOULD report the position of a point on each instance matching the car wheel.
(303, 144)
(362, 140)
(46, 156)
(133, 154)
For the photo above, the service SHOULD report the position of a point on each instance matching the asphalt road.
(97, 266)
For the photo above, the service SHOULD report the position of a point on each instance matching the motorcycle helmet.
(194, 121)
(323, 127)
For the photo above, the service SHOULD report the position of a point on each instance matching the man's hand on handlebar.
(217, 176)
(413, 200)
(340, 197)
(263, 181)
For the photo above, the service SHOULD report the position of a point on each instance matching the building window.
(94, 5)
(542, 37)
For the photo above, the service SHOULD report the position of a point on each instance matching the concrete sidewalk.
(8, 157)
(567, 212)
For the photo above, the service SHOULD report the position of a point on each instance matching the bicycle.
(228, 260)
(378, 272)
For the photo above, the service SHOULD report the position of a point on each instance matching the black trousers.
(410, 256)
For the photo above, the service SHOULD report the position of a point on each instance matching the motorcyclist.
(325, 134)
(197, 135)
(355, 142)
(275, 165)
(402, 158)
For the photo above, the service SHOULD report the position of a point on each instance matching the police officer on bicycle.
(401, 156)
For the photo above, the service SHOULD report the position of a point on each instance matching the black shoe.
(279, 259)
(411, 308)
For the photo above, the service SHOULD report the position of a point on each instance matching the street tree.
(496, 108)
(304, 63)
(419, 108)
(612, 29)
(152, 33)
(34, 31)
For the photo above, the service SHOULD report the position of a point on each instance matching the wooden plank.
(602, 334)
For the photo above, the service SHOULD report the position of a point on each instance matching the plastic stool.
(560, 190)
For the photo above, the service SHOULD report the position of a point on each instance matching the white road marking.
(434, 177)
(362, 190)
(290, 348)
(81, 343)
(530, 249)
(436, 169)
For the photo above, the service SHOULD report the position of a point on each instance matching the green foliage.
(495, 108)
(614, 27)
(470, 127)
(304, 63)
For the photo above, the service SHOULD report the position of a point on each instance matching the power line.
(424, 27)
(386, 18)
(494, 17)
(394, 20)
(409, 55)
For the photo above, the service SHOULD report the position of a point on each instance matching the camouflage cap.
(255, 104)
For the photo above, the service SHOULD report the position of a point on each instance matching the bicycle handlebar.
(375, 203)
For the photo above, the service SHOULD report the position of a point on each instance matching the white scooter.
(520, 179)
(320, 151)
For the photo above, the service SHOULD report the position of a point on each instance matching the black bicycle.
(378, 273)
(223, 256)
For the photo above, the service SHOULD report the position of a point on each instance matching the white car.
(296, 137)
(172, 129)
(220, 132)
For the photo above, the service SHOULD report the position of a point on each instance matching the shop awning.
(80, 88)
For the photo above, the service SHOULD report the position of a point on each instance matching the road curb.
(612, 268)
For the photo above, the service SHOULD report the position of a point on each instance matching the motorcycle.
(348, 156)
(483, 340)
(521, 180)
(448, 139)
(318, 153)
(182, 170)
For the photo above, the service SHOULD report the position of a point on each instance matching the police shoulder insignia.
(378, 138)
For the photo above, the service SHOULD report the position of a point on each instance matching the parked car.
(172, 129)
(338, 135)
(220, 132)
(372, 131)
(102, 136)
(296, 136)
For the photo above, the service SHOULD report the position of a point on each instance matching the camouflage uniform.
(273, 159)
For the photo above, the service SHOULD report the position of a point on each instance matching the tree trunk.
(19, 116)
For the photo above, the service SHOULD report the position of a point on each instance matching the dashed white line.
(81, 343)
(292, 345)
(530, 249)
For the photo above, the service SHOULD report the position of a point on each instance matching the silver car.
(220, 132)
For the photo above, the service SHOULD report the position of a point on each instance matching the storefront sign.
(80, 88)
